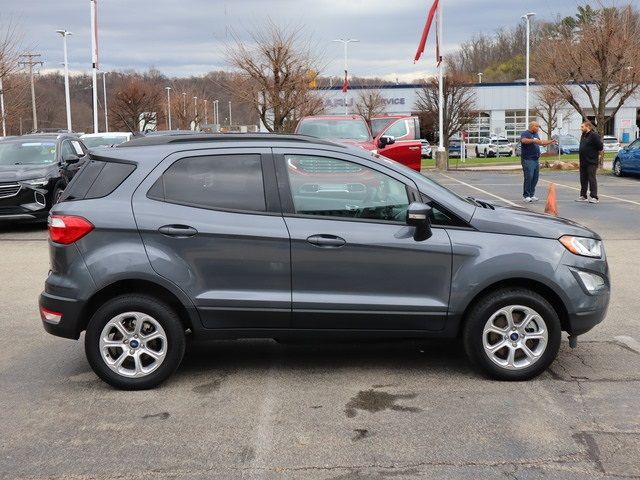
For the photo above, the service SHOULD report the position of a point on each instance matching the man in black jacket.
(590, 148)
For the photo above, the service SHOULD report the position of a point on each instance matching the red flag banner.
(345, 84)
(425, 32)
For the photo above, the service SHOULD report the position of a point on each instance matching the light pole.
(527, 17)
(215, 112)
(480, 82)
(168, 89)
(104, 96)
(205, 111)
(230, 119)
(4, 123)
(67, 97)
(345, 43)
(184, 104)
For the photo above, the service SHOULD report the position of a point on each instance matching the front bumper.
(25, 205)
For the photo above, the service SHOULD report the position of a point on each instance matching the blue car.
(628, 160)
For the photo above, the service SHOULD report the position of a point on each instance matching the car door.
(211, 223)
(354, 262)
(631, 159)
(407, 147)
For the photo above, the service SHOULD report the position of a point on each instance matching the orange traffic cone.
(552, 206)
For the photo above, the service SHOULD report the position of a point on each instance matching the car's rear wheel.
(512, 334)
(134, 342)
(617, 168)
(477, 153)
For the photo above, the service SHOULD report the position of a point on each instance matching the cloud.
(187, 37)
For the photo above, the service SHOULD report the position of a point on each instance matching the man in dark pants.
(531, 160)
(590, 148)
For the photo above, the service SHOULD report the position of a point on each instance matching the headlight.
(591, 282)
(37, 182)
(587, 247)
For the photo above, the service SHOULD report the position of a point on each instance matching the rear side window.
(97, 179)
(229, 182)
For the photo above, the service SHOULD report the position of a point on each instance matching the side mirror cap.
(418, 217)
(385, 140)
(71, 159)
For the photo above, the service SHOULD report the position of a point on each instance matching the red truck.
(395, 136)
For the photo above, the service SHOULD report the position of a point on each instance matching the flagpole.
(94, 64)
(440, 85)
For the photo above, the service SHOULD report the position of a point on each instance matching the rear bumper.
(69, 324)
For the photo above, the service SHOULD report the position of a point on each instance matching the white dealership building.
(501, 109)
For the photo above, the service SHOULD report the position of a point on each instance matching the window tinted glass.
(336, 188)
(349, 129)
(97, 179)
(67, 150)
(634, 146)
(227, 182)
(379, 124)
(398, 130)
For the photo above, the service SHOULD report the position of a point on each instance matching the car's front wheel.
(617, 168)
(134, 342)
(512, 334)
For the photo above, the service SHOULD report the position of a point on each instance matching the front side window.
(231, 182)
(398, 130)
(67, 150)
(635, 145)
(329, 187)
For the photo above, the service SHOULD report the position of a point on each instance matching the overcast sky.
(187, 37)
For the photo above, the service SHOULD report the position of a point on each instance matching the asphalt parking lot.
(259, 409)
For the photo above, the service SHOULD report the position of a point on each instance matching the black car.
(34, 171)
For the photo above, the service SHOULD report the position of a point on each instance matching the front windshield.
(610, 140)
(27, 153)
(335, 129)
(503, 141)
(103, 141)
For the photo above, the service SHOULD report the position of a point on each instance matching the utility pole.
(30, 62)
(104, 93)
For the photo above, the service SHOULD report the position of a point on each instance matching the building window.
(515, 123)
(479, 127)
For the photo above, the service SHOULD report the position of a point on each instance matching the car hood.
(520, 221)
(19, 173)
(366, 144)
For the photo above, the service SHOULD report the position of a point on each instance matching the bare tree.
(137, 105)
(551, 106)
(10, 43)
(596, 59)
(274, 69)
(459, 104)
(370, 103)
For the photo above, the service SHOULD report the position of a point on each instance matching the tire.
(57, 193)
(149, 362)
(477, 153)
(617, 168)
(509, 361)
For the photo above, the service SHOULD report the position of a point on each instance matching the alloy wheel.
(515, 337)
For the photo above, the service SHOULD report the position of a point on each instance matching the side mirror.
(418, 217)
(386, 140)
(71, 159)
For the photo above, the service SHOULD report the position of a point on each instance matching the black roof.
(222, 137)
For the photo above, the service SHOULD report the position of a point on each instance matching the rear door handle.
(178, 231)
(326, 241)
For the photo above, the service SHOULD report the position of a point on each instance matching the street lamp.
(216, 118)
(67, 97)
(527, 17)
(230, 118)
(345, 43)
(480, 82)
(168, 89)
(184, 104)
(205, 111)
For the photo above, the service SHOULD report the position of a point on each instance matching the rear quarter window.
(97, 179)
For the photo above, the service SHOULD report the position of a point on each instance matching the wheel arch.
(186, 312)
(526, 283)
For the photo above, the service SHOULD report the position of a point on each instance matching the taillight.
(66, 229)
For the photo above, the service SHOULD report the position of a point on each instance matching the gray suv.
(267, 236)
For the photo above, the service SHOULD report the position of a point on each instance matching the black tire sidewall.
(481, 312)
(162, 313)
(617, 173)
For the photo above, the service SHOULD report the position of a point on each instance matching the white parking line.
(599, 194)
(481, 190)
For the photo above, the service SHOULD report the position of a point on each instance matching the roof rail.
(223, 137)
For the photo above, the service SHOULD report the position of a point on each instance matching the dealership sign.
(339, 102)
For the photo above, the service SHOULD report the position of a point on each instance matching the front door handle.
(180, 231)
(326, 241)
(415, 148)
